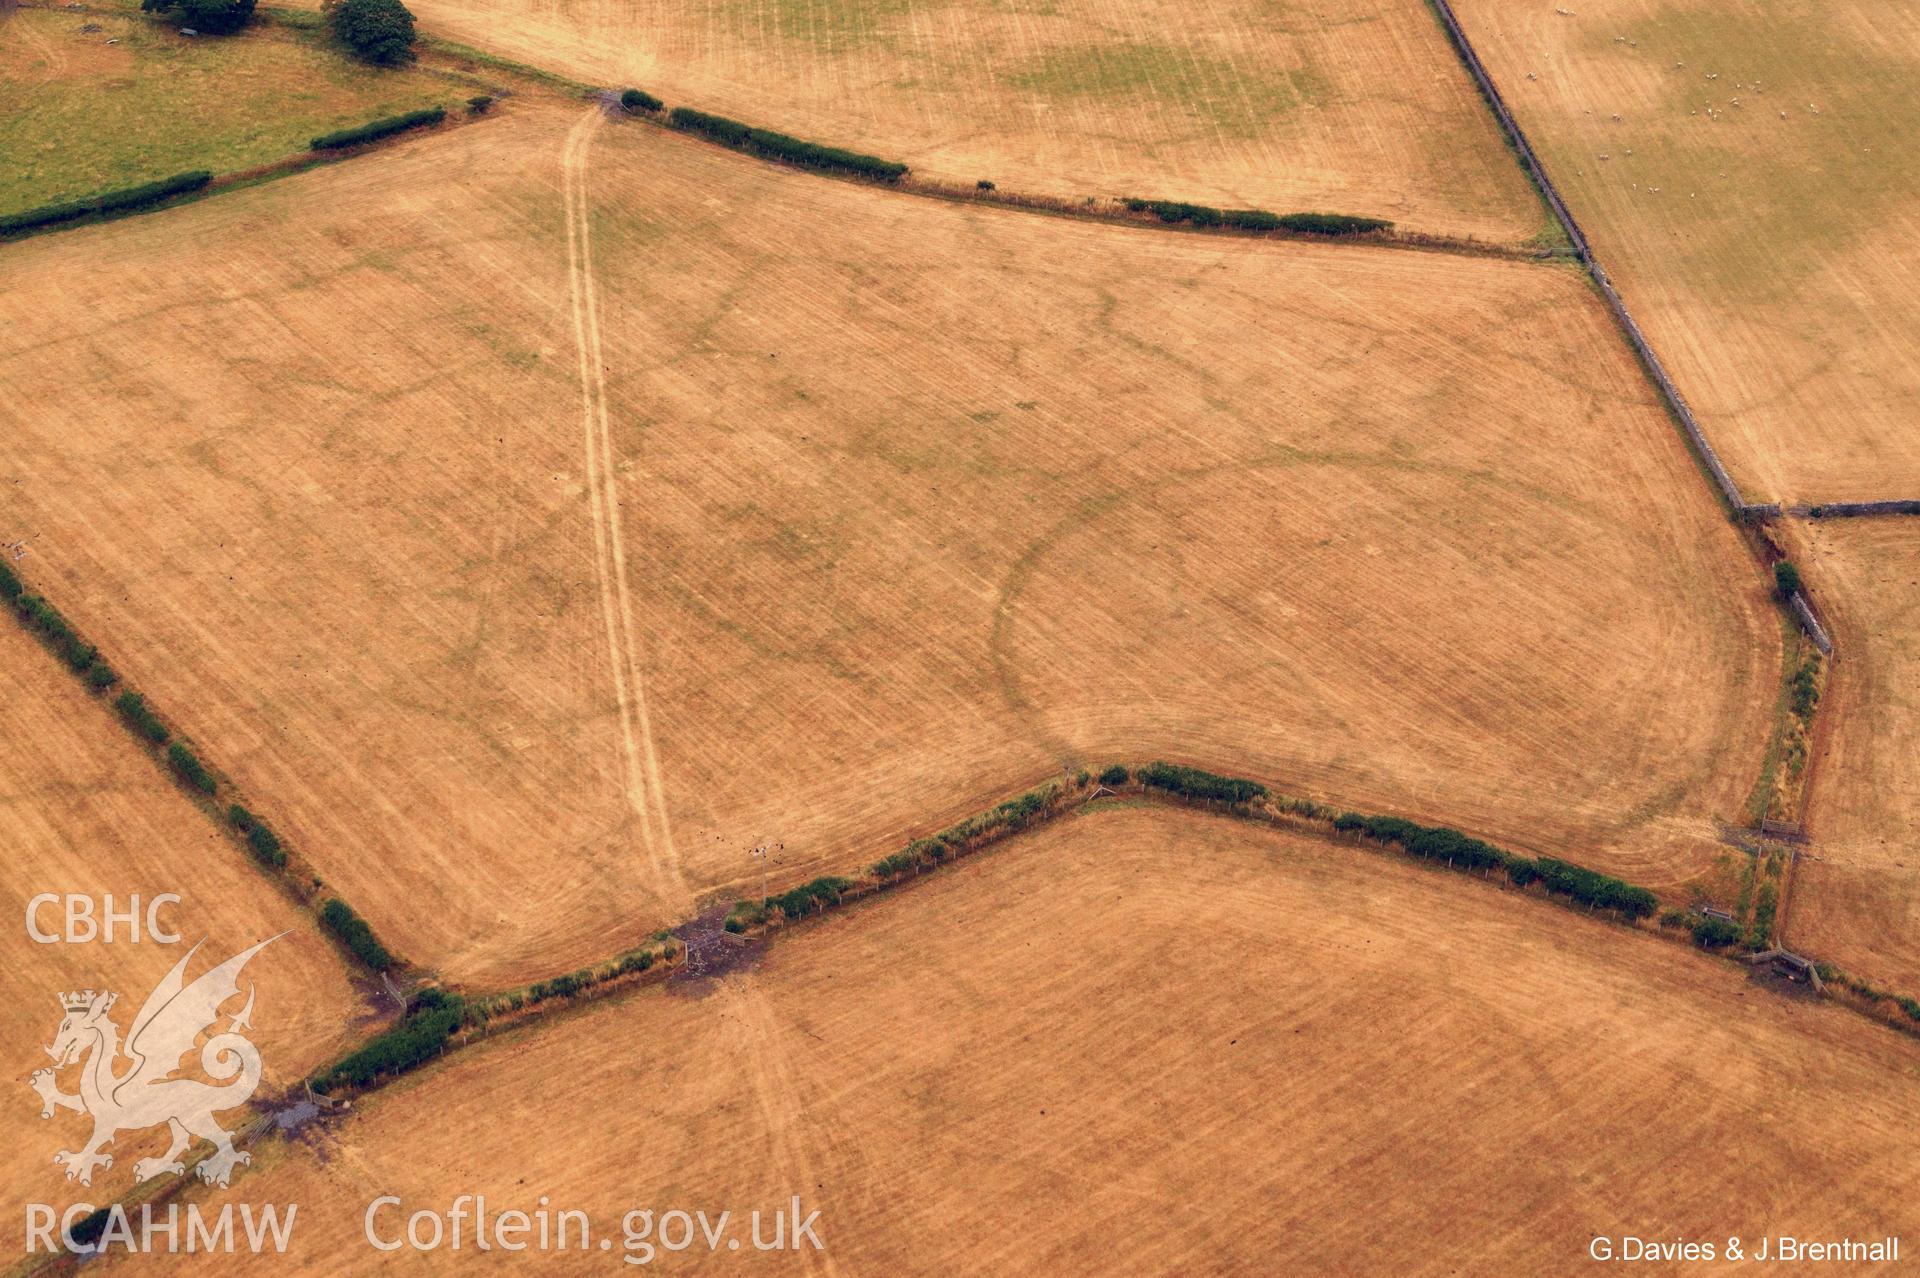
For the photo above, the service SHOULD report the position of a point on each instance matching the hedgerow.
(745, 914)
(133, 709)
(338, 918)
(1114, 775)
(779, 146)
(1429, 842)
(130, 197)
(1713, 933)
(821, 894)
(378, 129)
(1561, 878)
(639, 100)
(187, 766)
(1333, 224)
(422, 1036)
(1192, 783)
(1588, 887)
(1804, 688)
(1176, 211)
(264, 843)
(44, 620)
(91, 1226)
(917, 855)
(1766, 903)
(1786, 579)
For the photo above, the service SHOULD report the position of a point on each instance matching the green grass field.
(84, 115)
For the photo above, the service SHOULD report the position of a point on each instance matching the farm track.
(645, 792)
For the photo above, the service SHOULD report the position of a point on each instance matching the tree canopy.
(380, 31)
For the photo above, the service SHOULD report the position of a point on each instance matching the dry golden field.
(1858, 905)
(83, 813)
(1306, 104)
(1765, 246)
(1150, 1041)
(874, 508)
(320, 494)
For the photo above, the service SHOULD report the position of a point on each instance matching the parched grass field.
(1154, 1041)
(83, 813)
(896, 506)
(84, 115)
(1766, 247)
(1859, 904)
(1288, 105)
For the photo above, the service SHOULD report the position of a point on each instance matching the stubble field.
(1765, 246)
(888, 506)
(1300, 105)
(1858, 905)
(1153, 1040)
(84, 814)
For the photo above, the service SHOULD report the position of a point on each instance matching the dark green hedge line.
(639, 100)
(131, 197)
(1175, 211)
(378, 129)
(745, 914)
(586, 978)
(1561, 878)
(187, 766)
(1766, 905)
(144, 724)
(779, 146)
(1014, 814)
(435, 1016)
(338, 918)
(265, 843)
(45, 621)
(578, 982)
(419, 1038)
(91, 1226)
(1333, 224)
(1192, 783)
(42, 619)
(820, 895)
(1589, 887)
(1712, 933)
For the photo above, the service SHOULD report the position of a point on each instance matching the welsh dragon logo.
(144, 1093)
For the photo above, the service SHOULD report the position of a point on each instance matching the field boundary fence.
(1858, 509)
(1729, 491)
(1747, 512)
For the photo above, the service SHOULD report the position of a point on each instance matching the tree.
(380, 31)
(1786, 579)
(210, 17)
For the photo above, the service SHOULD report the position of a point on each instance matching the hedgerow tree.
(1786, 579)
(380, 31)
(209, 17)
